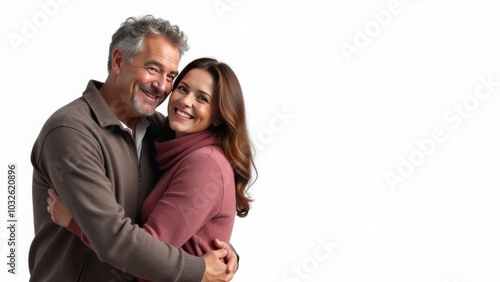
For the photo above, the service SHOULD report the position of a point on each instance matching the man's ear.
(117, 59)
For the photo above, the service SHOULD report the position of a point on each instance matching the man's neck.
(119, 108)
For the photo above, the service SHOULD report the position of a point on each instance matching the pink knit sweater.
(194, 201)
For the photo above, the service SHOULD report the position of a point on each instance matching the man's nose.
(162, 86)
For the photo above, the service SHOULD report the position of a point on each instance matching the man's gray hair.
(130, 35)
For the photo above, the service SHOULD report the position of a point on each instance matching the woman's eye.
(203, 99)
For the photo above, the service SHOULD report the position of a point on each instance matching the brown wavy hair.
(232, 133)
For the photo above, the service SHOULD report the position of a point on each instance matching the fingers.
(231, 258)
(215, 268)
(232, 262)
(53, 197)
(50, 201)
(53, 193)
(219, 254)
(221, 245)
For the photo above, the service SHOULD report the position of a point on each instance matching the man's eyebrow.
(159, 65)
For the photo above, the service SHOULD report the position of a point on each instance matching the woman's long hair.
(232, 133)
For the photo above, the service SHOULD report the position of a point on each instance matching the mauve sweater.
(194, 201)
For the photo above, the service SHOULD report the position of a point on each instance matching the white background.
(339, 95)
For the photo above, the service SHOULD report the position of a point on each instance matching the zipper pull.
(139, 171)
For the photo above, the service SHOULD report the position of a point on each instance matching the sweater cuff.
(193, 270)
(73, 227)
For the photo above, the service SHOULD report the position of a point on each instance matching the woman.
(206, 160)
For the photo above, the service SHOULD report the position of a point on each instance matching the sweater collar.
(103, 114)
(170, 150)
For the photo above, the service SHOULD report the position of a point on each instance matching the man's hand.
(231, 257)
(215, 269)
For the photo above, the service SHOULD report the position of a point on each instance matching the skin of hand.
(215, 269)
(58, 211)
(231, 257)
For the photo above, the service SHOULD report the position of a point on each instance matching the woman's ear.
(216, 122)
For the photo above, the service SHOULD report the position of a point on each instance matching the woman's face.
(191, 107)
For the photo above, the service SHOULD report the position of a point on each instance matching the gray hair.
(130, 35)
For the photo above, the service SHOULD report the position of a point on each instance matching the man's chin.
(149, 113)
(146, 112)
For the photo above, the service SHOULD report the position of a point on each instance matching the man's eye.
(153, 70)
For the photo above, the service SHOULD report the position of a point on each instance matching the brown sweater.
(92, 162)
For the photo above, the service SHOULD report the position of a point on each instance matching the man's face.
(144, 83)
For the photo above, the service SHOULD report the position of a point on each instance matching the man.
(98, 153)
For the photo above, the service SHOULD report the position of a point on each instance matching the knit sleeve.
(192, 198)
(75, 229)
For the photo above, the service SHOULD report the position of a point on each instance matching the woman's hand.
(58, 211)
